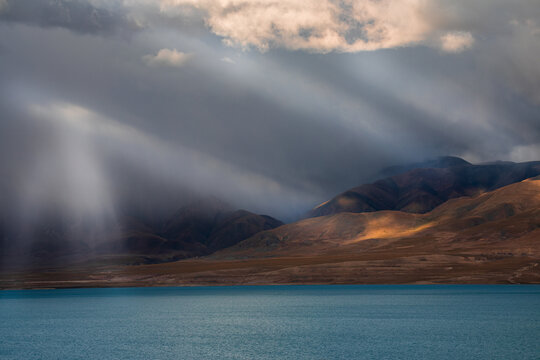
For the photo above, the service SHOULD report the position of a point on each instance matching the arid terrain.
(493, 237)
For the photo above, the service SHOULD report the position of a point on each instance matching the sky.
(270, 105)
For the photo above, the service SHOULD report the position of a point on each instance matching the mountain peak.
(440, 162)
(421, 189)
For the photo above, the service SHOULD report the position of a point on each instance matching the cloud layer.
(325, 25)
(455, 42)
(77, 15)
(167, 57)
(145, 100)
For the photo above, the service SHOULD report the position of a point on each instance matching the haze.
(273, 106)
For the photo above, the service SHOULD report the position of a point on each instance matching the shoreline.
(186, 286)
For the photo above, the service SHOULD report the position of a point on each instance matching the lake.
(273, 322)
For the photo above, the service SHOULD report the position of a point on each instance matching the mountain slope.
(493, 237)
(421, 190)
(509, 212)
(193, 231)
(197, 229)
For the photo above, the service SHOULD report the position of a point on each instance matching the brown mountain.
(194, 230)
(197, 229)
(500, 218)
(492, 237)
(421, 190)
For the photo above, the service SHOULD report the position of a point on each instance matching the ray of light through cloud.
(271, 105)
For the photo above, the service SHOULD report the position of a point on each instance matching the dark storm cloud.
(171, 110)
(401, 98)
(76, 15)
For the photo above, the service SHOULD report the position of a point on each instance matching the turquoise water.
(273, 322)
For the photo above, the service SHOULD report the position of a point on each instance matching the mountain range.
(430, 184)
(196, 229)
(441, 221)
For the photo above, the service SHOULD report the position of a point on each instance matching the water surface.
(273, 322)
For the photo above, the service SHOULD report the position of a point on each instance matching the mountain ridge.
(488, 236)
(449, 220)
(422, 189)
(493, 238)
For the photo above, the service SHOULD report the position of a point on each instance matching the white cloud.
(167, 57)
(457, 41)
(314, 25)
(323, 25)
(228, 60)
